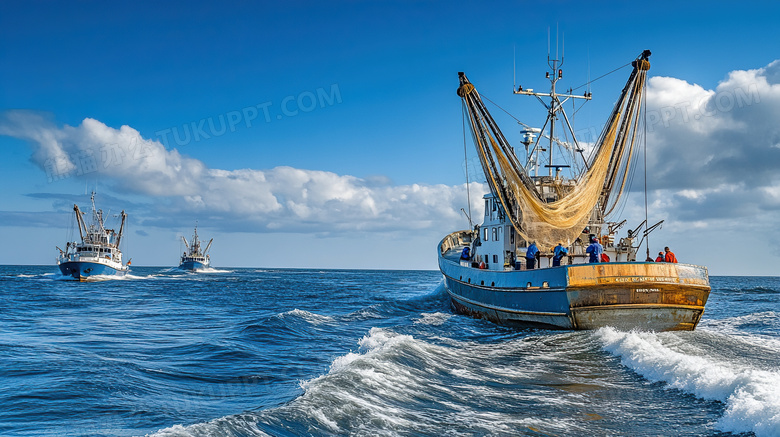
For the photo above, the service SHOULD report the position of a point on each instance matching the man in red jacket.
(669, 257)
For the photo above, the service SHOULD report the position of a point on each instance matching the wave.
(314, 319)
(395, 383)
(213, 428)
(760, 329)
(367, 313)
(434, 319)
(748, 390)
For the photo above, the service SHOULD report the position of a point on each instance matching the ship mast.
(553, 108)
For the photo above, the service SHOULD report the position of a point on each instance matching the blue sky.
(328, 134)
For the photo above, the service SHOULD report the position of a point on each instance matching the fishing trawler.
(193, 258)
(507, 270)
(97, 254)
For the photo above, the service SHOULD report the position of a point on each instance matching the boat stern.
(647, 296)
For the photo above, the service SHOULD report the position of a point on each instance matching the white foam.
(751, 394)
(212, 270)
(241, 422)
(96, 278)
(434, 319)
(381, 379)
(129, 277)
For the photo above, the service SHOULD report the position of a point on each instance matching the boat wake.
(711, 366)
(212, 270)
(44, 276)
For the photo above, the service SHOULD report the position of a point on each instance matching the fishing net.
(576, 202)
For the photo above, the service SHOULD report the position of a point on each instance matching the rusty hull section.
(648, 296)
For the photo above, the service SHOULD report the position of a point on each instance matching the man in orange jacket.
(669, 257)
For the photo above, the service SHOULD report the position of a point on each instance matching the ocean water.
(256, 352)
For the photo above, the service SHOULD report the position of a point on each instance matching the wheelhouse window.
(487, 207)
(486, 236)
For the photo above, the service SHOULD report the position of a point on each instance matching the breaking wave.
(748, 386)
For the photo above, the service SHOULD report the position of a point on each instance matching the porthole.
(492, 284)
(481, 282)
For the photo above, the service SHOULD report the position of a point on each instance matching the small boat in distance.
(549, 205)
(97, 254)
(193, 258)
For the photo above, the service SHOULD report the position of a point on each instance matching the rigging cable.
(466, 161)
(644, 139)
(505, 111)
(603, 75)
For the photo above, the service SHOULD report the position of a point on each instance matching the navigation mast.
(555, 106)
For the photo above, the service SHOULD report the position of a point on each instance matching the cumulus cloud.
(281, 199)
(714, 154)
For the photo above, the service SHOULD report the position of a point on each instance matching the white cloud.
(277, 199)
(716, 146)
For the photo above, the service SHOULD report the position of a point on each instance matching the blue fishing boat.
(548, 252)
(97, 255)
(193, 258)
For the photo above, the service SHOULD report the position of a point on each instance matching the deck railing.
(455, 239)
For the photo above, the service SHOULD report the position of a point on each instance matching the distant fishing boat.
(193, 258)
(97, 254)
(554, 194)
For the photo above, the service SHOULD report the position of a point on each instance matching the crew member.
(660, 257)
(595, 250)
(669, 257)
(530, 256)
(558, 253)
(465, 255)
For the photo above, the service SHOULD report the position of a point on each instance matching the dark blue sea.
(270, 352)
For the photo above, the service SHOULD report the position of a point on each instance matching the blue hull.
(193, 265)
(506, 297)
(626, 295)
(83, 270)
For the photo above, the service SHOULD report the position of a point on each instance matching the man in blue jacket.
(595, 250)
(530, 256)
(558, 253)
